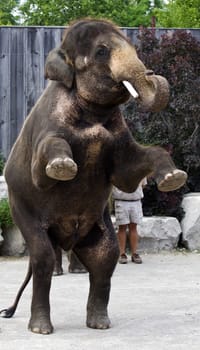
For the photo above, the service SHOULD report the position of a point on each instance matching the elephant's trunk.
(154, 94)
(152, 91)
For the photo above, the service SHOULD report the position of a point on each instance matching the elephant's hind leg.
(100, 260)
(97, 315)
(43, 262)
(42, 259)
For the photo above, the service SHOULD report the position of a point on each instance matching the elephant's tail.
(7, 313)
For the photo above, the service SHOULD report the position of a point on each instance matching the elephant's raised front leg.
(52, 161)
(167, 176)
(172, 180)
(61, 168)
(133, 162)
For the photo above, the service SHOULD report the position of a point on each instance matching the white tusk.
(130, 88)
(85, 60)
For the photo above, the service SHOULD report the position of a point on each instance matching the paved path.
(153, 306)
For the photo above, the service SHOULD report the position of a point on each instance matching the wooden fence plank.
(5, 100)
(17, 83)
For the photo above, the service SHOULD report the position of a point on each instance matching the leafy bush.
(177, 128)
(2, 163)
(5, 214)
(162, 203)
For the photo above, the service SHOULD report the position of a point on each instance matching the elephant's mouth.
(130, 88)
(153, 96)
(127, 86)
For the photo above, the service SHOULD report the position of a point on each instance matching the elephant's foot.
(61, 169)
(75, 266)
(58, 271)
(173, 181)
(77, 269)
(98, 321)
(40, 325)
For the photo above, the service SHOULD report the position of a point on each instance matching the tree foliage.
(177, 128)
(122, 12)
(7, 12)
(125, 13)
(179, 13)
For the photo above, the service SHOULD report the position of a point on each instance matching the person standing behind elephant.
(128, 212)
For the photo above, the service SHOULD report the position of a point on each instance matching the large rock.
(1, 237)
(3, 188)
(13, 244)
(11, 240)
(191, 221)
(3, 194)
(157, 233)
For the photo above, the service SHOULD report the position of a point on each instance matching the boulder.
(191, 221)
(11, 240)
(3, 194)
(1, 237)
(3, 188)
(13, 243)
(157, 233)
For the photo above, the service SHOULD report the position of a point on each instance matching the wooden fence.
(23, 51)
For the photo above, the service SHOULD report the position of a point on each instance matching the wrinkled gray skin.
(73, 147)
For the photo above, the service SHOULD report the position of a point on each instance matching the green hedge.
(2, 163)
(5, 214)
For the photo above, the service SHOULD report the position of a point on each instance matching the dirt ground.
(153, 306)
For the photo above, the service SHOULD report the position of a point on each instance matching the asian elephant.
(73, 147)
(74, 266)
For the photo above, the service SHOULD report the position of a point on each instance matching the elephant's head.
(97, 60)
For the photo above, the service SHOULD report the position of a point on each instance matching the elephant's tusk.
(130, 88)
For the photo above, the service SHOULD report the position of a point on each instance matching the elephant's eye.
(102, 52)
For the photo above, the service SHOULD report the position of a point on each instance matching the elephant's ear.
(58, 67)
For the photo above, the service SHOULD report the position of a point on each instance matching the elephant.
(75, 265)
(73, 147)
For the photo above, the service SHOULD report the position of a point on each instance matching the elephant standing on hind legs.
(74, 146)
